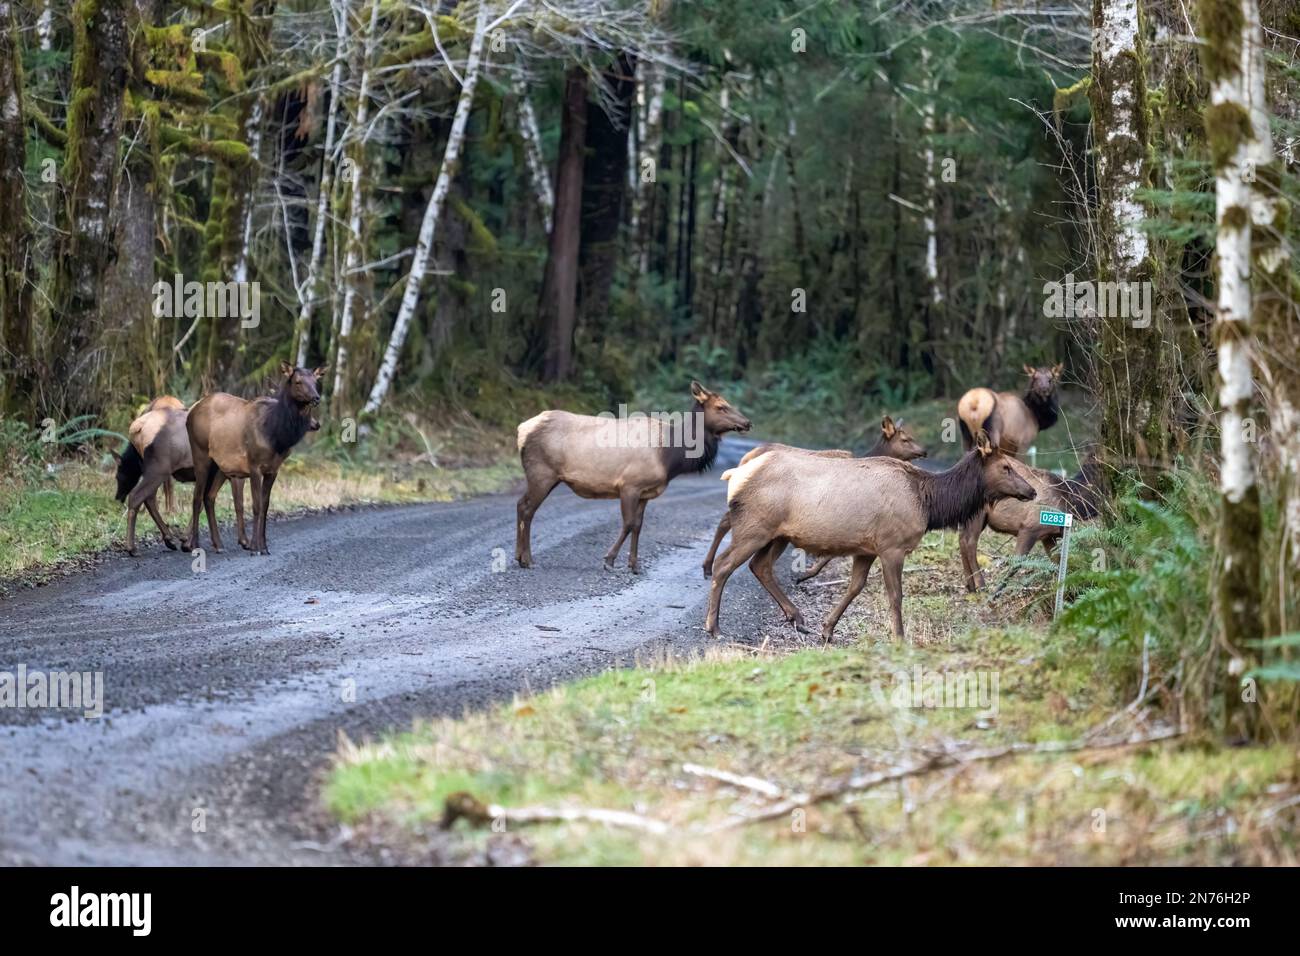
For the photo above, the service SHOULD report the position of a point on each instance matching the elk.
(602, 457)
(894, 442)
(158, 453)
(232, 437)
(1012, 421)
(865, 507)
(1077, 495)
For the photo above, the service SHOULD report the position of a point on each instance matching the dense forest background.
(831, 209)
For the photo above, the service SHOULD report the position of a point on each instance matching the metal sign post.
(1064, 520)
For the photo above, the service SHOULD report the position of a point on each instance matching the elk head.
(899, 441)
(719, 415)
(1002, 479)
(1043, 381)
(302, 384)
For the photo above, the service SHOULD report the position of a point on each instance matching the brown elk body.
(865, 507)
(232, 437)
(158, 453)
(895, 442)
(1012, 421)
(604, 458)
(1077, 495)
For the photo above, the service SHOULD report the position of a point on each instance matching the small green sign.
(1056, 519)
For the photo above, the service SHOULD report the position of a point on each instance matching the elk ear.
(286, 369)
(1057, 369)
(699, 392)
(1029, 370)
(982, 443)
(320, 371)
(887, 427)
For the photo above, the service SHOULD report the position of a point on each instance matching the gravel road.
(225, 690)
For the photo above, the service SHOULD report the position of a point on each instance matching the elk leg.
(627, 503)
(216, 478)
(761, 566)
(255, 486)
(529, 502)
(857, 581)
(817, 569)
(201, 468)
(237, 492)
(636, 535)
(1049, 545)
(152, 504)
(891, 566)
(728, 561)
(967, 543)
(1025, 542)
(724, 525)
(146, 492)
(267, 482)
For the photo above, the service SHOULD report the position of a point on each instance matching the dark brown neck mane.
(285, 422)
(952, 497)
(879, 450)
(675, 458)
(1046, 410)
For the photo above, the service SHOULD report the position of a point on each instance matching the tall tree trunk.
(352, 260)
(604, 185)
(559, 300)
(1134, 377)
(308, 292)
(648, 198)
(1230, 57)
(101, 40)
(17, 361)
(432, 212)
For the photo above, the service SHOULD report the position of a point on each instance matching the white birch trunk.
(542, 188)
(432, 212)
(307, 292)
(353, 258)
(45, 25)
(1232, 205)
(1117, 35)
(649, 150)
(931, 187)
(252, 136)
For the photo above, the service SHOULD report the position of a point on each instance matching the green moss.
(1220, 25)
(1227, 126)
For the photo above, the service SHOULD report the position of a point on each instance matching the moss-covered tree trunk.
(1229, 56)
(1134, 372)
(17, 365)
(86, 248)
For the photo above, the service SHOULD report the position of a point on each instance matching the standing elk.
(158, 453)
(864, 507)
(894, 442)
(1077, 495)
(1012, 421)
(602, 457)
(232, 437)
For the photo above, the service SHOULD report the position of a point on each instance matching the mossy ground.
(801, 717)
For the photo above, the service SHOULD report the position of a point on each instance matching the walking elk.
(894, 442)
(602, 457)
(233, 437)
(865, 507)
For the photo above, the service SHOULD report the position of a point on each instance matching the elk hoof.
(171, 545)
(633, 568)
(525, 562)
(133, 552)
(609, 565)
(799, 624)
(708, 571)
(827, 635)
(245, 545)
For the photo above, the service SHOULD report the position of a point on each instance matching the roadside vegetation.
(1081, 753)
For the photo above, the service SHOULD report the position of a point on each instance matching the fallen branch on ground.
(466, 806)
(736, 780)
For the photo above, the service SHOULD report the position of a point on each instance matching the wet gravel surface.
(225, 690)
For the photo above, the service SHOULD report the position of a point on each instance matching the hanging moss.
(481, 240)
(1064, 99)
(227, 64)
(1220, 23)
(181, 85)
(1227, 126)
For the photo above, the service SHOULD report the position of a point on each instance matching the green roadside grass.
(800, 718)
